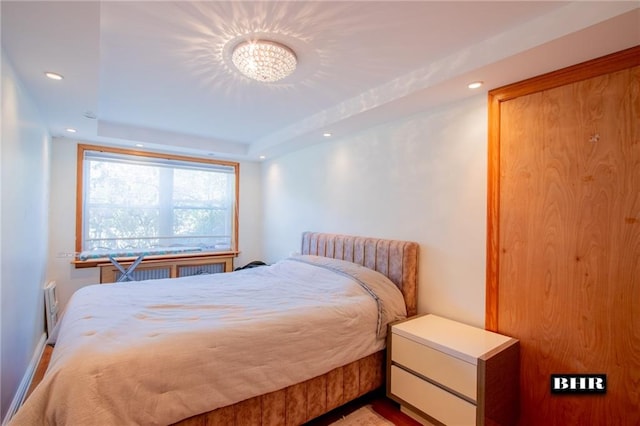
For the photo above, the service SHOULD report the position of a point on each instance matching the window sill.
(92, 263)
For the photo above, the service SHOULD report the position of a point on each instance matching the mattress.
(158, 351)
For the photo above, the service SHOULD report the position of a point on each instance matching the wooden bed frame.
(304, 401)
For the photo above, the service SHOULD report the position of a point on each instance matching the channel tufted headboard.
(395, 259)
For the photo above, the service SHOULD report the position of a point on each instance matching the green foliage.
(144, 206)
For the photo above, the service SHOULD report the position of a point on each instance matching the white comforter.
(156, 352)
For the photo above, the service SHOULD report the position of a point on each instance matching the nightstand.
(451, 373)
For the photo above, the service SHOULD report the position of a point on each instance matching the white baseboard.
(21, 393)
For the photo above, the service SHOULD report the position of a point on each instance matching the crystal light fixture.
(265, 61)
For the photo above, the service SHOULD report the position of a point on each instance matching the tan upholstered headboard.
(395, 259)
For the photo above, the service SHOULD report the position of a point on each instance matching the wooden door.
(563, 270)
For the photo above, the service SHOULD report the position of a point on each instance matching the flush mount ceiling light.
(263, 60)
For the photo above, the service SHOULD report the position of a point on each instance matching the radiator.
(169, 268)
(183, 271)
(147, 274)
(51, 306)
(214, 268)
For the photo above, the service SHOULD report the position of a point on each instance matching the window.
(133, 201)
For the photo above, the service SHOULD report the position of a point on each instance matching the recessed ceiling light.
(139, 145)
(262, 157)
(327, 134)
(53, 75)
(475, 84)
(70, 130)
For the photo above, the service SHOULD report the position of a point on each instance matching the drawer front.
(437, 366)
(438, 403)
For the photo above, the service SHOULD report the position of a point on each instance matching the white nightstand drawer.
(440, 404)
(437, 366)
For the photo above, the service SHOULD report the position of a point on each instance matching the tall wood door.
(564, 251)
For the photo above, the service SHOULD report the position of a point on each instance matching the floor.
(42, 367)
(379, 402)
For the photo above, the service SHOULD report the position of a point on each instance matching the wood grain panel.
(607, 64)
(567, 242)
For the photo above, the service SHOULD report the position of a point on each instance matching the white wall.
(25, 161)
(62, 220)
(422, 178)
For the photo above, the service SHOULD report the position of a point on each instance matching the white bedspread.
(156, 352)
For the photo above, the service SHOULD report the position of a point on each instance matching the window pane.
(134, 202)
(122, 184)
(196, 188)
(202, 207)
(121, 228)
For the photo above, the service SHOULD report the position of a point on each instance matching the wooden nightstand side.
(499, 385)
(452, 373)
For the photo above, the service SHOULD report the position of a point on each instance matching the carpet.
(364, 416)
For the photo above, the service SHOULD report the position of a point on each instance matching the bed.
(123, 353)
